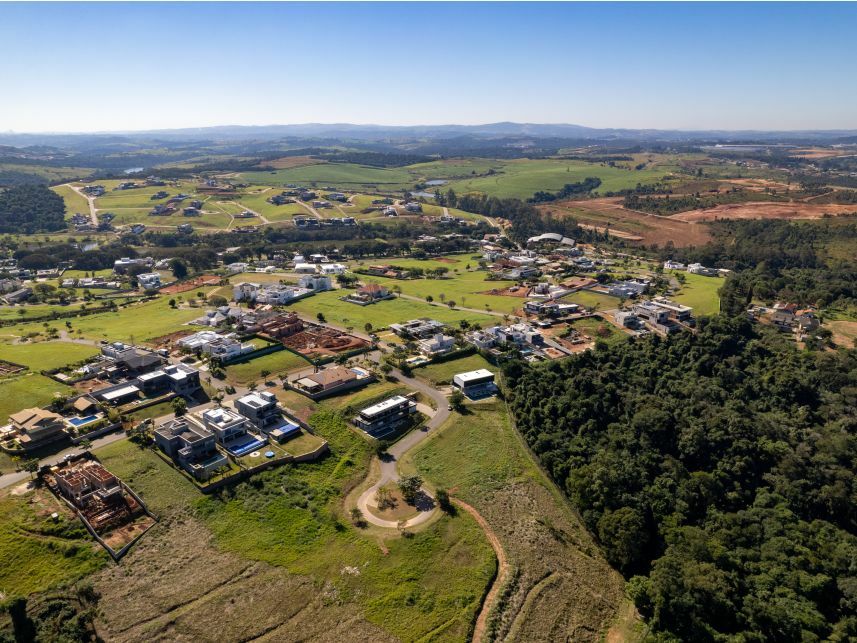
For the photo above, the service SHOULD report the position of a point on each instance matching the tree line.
(716, 471)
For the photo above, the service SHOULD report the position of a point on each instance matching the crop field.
(281, 537)
(27, 390)
(275, 363)
(74, 202)
(380, 315)
(443, 372)
(700, 293)
(563, 588)
(45, 356)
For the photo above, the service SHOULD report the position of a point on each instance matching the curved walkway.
(389, 468)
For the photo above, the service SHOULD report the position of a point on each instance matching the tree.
(429, 299)
(217, 301)
(456, 401)
(179, 268)
(443, 501)
(320, 318)
(367, 327)
(179, 406)
(357, 517)
(31, 466)
(172, 303)
(451, 304)
(385, 368)
(85, 444)
(410, 487)
(264, 373)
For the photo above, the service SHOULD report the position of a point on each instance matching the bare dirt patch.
(608, 212)
(511, 291)
(196, 282)
(765, 210)
(817, 153)
(844, 333)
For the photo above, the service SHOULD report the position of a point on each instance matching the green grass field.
(26, 391)
(275, 363)
(443, 372)
(380, 315)
(700, 293)
(74, 202)
(137, 322)
(521, 178)
(340, 175)
(589, 299)
(39, 553)
(45, 356)
(601, 330)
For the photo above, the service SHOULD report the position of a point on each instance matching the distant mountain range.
(389, 133)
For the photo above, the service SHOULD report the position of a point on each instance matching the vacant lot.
(74, 202)
(38, 552)
(609, 213)
(700, 293)
(560, 588)
(28, 390)
(275, 364)
(134, 323)
(45, 356)
(380, 315)
(793, 210)
(522, 178)
(443, 373)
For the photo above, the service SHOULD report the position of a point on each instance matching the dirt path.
(91, 200)
(502, 570)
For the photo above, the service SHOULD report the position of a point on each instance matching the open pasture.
(74, 203)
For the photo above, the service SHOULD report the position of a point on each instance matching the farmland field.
(557, 566)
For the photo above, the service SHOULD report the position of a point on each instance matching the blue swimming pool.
(79, 422)
(244, 447)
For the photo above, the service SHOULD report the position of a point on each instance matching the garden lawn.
(381, 314)
(589, 299)
(591, 325)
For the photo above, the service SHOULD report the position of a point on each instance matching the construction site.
(10, 368)
(111, 512)
(316, 341)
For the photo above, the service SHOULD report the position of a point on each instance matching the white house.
(315, 282)
(332, 268)
(436, 345)
(305, 268)
(149, 280)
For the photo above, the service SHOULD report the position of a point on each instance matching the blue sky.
(99, 66)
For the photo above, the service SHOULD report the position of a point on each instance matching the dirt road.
(502, 570)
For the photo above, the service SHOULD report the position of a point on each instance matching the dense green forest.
(25, 209)
(780, 260)
(717, 472)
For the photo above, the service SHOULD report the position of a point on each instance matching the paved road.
(389, 465)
